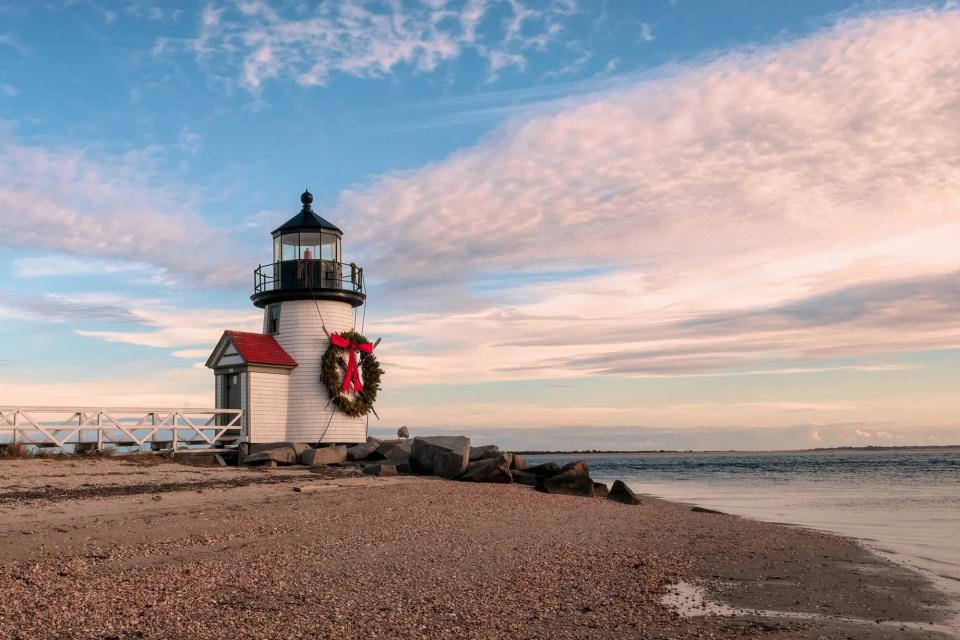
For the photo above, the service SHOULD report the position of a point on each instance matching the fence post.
(100, 430)
(16, 423)
(176, 417)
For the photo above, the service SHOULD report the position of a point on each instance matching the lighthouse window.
(309, 246)
(330, 247)
(276, 249)
(290, 243)
(273, 319)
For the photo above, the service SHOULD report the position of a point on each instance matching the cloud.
(646, 33)
(310, 45)
(165, 388)
(140, 321)
(773, 149)
(61, 309)
(8, 40)
(87, 203)
(172, 328)
(770, 211)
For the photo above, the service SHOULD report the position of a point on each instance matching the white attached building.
(274, 376)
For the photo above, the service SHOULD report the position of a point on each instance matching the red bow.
(352, 376)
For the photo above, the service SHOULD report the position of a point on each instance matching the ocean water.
(903, 503)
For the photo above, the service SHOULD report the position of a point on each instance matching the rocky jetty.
(449, 457)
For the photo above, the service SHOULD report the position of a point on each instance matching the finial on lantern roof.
(307, 199)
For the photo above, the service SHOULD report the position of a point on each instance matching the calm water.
(904, 503)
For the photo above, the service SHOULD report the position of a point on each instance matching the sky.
(593, 224)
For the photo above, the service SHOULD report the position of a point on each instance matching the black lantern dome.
(307, 263)
(306, 220)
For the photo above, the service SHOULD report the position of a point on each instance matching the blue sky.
(622, 223)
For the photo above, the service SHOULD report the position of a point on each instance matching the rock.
(518, 463)
(622, 493)
(573, 480)
(381, 469)
(394, 449)
(546, 469)
(296, 448)
(444, 456)
(402, 465)
(489, 470)
(484, 452)
(600, 490)
(323, 455)
(705, 510)
(579, 467)
(314, 488)
(272, 457)
(524, 477)
(361, 451)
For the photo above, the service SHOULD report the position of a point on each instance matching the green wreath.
(333, 367)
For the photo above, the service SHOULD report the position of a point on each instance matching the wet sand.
(100, 548)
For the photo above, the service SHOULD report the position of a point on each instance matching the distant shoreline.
(945, 447)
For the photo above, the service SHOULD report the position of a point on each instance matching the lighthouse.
(294, 380)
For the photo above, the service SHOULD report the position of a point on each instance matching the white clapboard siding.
(309, 417)
(267, 406)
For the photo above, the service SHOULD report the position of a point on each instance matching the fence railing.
(96, 427)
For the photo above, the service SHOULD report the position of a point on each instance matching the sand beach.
(108, 548)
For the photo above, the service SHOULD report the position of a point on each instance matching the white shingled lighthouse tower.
(307, 294)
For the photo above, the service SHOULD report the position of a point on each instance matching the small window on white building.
(273, 319)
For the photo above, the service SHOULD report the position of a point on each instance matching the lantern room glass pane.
(290, 244)
(331, 247)
(276, 249)
(309, 246)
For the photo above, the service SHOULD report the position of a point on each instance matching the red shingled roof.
(257, 348)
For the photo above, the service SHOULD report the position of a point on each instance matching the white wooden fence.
(94, 428)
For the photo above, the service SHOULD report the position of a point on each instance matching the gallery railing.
(308, 274)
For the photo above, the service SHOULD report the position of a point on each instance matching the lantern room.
(307, 263)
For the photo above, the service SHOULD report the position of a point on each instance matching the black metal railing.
(308, 274)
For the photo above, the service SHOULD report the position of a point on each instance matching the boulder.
(361, 451)
(296, 447)
(272, 457)
(573, 480)
(600, 490)
(323, 455)
(484, 452)
(518, 463)
(381, 469)
(401, 465)
(394, 449)
(546, 469)
(622, 493)
(524, 477)
(444, 456)
(489, 470)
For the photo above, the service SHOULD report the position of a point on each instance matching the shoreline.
(945, 584)
(690, 452)
(417, 557)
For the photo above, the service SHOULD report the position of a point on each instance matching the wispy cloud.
(95, 205)
(137, 321)
(257, 41)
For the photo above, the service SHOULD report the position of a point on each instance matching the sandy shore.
(108, 549)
